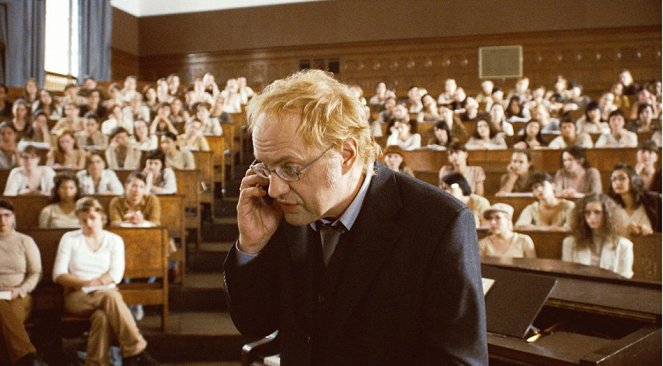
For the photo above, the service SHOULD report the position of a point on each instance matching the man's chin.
(297, 219)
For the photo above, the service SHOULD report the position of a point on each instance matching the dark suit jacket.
(402, 288)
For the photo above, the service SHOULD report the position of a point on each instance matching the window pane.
(61, 53)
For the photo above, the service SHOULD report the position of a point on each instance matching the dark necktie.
(330, 233)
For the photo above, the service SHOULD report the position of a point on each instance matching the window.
(61, 53)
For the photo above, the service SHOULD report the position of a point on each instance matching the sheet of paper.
(274, 360)
(5, 295)
(487, 284)
(88, 289)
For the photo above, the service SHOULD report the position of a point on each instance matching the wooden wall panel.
(592, 57)
(123, 64)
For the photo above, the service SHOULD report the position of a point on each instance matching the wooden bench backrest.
(205, 163)
(217, 145)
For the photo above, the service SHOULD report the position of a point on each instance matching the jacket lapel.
(301, 241)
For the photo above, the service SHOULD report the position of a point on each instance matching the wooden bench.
(205, 163)
(646, 251)
(229, 135)
(146, 255)
(240, 132)
(217, 145)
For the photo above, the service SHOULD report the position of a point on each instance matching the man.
(395, 281)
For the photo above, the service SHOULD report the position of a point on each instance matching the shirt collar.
(351, 213)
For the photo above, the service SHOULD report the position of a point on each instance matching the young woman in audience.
(503, 241)
(498, 120)
(210, 125)
(21, 271)
(177, 112)
(485, 137)
(441, 136)
(30, 178)
(96, 179)
(198, 94)
(9, 157)
(393, 159)
(532, 137)
(175, 158)
(192, 138)
(115, 120)
(598, 226)
(403, 135)
(141, 138)
(576, 178)
(232, 101)
(161, 123)
(618, 136)
(150, 98)
(457, 128)
(60, 213)
(67, 155)
(137, 207)
(645, 121)
(429, 111)
(647, 157)
(121, 154)
(21, 118)
(129, 90)
(515, 112)
(516, 179)
(91, 138)
(47, 105)
(31, 90)
(159, 178)
(39, 135)
(71, 121)
(643, 208)
(548, 212)
(570, 137)
(607, 105)
(475, 175)
(457, 186)
(93, 256)
(137, 110)
(592, 121)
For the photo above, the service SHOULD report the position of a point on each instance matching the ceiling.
(146, 8)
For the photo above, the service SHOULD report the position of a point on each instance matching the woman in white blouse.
(402, 135)
(96, 179)
(618, 136)
(94, 257)
(30, 178)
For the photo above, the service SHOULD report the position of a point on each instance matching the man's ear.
(349, 154)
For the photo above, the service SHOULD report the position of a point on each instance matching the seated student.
(21, 118)
(503, 241)
(647, 157)
(429, 111)
(618, 136)
(643, 208)
(38, 135)
(116, 119)
(60, 213)
(94, 105)
(160, 179)
(454, 123)
(192, 138)
(441, 136)
(485, 137)
(645, 121)
(66, 155)
(5, 105)
(515, 112)
(175, 158)
(93, 256)
(457, 186)
(497, 119)
(141, 139)
(136, 207)
(532, 137)
(177, 112)
(403, 134)
(576, 177)
(570, 137)
(598, 226)
(210, 125)
(70, 121)
(96, 179)
(91, 138)
(162, 123)
(21, 270)
(30, 178)
(47, 105)
(548, 212)
(457, 155)
(592, 121)
(120, 153)
(516, 179)
(393, 159)
(8, 149)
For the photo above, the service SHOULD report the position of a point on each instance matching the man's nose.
(277, 186)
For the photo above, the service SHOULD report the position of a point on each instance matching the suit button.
(308, 339)
(321, 299)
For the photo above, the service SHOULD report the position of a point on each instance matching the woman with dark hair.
(67, 155)
(646, 167)
(71, 120)
(618, 136)
(393, 159)
(96, 179)
(161, 122)
(643, 208)
(47, 105)
(176, 158)
(532, 137)
(30, 90)
(404, 135)
(192, 139)
(576, 178)
(485, 137)
(21, 119)
(30, 178)
(548, 212)
(136, 207)
(92, 256)
(39, 135)
(515, 112)
(91, 138)
(441, 136)
(503, 241)
(498, 119)
(591, 122)
(598, 226)
(646, 120)
(121, 154)
(142, 139)
(429, 112)
(457, 155)
(60, 213)
(456, 185)
(569, 136)
(8, 149)
(21, 270)
(160, 179)
(516, 179)
(116, 119)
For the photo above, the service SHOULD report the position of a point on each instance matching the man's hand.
(256, 219)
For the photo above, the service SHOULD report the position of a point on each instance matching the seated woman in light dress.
(548, 212)
(592, 121)
(570, 137)
(92, 256)
(576, 177)
(643, 208)
(598, 226)
(96, 179)
(67, 155)
(475, 175)
(485, 137)
(192, 139)
(60, 213)
(503, 241)
(531, 137)
(30, 178)
(142, 140)
(456, 185)
(9, 156)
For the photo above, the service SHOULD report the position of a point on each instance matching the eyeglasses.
(287, 173)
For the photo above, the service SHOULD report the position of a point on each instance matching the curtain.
(25, 22)
(94, 37)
